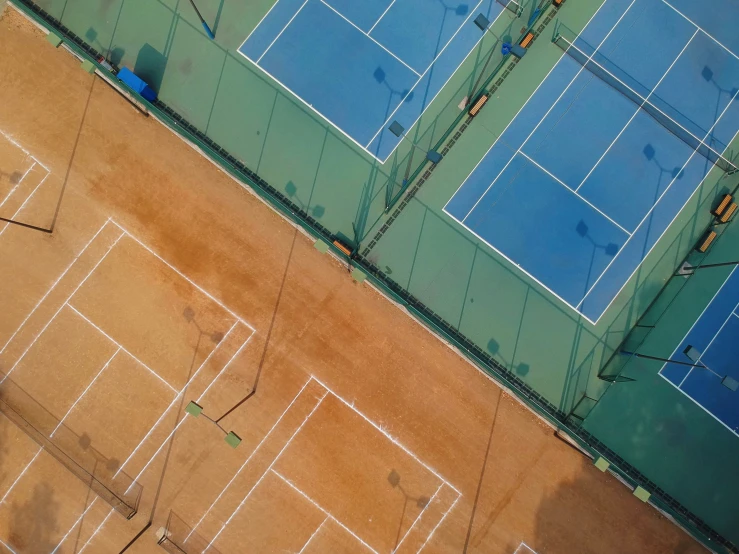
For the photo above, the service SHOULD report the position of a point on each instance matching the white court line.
(674, 352)
(8, 547)
(258, 24)
(388, 436)
(314, 534)
(433, 62)
(544, 117)
(318, 506)
(15, 187)
(526, 546)
(700, 28)
(253, 452)
(369, 37)
(418, 517)
(53, 286)
(639, 109)
(84, 392)
(180, 393)
(26, 201)
(439, 523)
(75, 524)
(339, 129)
(112, 340)
(283, 30)
(701, 406)
(515, 117)
(112, 511)
(21, 474)
(588, 202)
(517, 265)
(248, 494)
(185, 277)
(110, 248)
(648, 213)
(708, 346)
(15, 143)
(381, 16)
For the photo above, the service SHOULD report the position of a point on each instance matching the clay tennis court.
(164, 281)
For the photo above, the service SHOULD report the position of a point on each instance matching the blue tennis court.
(712, 344)
(362, 64)
(586, 179)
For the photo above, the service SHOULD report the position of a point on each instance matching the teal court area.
(544, 301)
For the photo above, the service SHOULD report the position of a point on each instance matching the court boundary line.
(238, 319)
(387, 436)
(640, 108)
(8, 547)
(682, 340)
(418, 517)
(515, 264)
(18, 184)
(320, 509)
(111, 511)
(318, 529)
(438, 524)
(28, 348)
(698, 186)
(300, 9)
(269, 468)
(573, 191)
(541, 120)
(116, 343)
(526, 546)
(385, 48)
(420, 115)
(381, 16)
(23, 205)
(708, 346)
(722, 45)
(54, 284)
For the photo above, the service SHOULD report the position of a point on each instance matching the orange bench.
(725, 201)
(477, 106)
(706, 241)
(526, 41)
(726, 216)
(342, 247)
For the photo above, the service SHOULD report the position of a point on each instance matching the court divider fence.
(299, 216)
(75, 452)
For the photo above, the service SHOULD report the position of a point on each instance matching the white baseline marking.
(15, 143)
(8, 547)
(321, 509)
(53, 286)
(646, 216)
(179, 394)
(639, 109)
(439, 524)
(573, 192)
(700, 29)
(84, 392)
(381, 16)
(110, 248)
(314, 534)
(120, 346)
(21, 474)
(283, 30)
(15, 187)
(546, 77)
(181, 274)
(418, 517)
(544, 117)
(369, 37)
(26, 201)
(248, 494)
(248, 459)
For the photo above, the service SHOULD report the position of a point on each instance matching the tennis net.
(597, 64)
(178, 537)
(74, 452)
